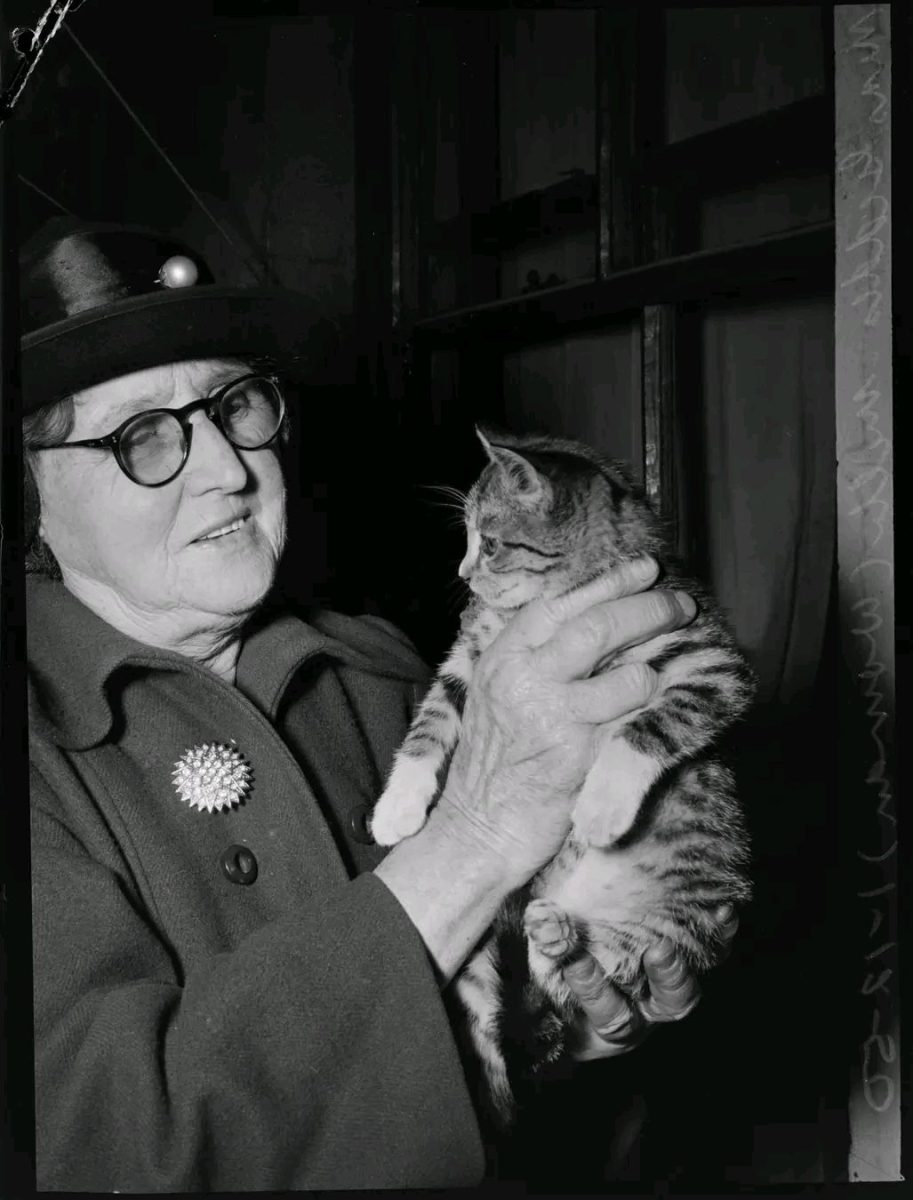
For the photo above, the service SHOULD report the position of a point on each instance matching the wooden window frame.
(640, 227)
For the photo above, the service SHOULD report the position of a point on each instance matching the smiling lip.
(216, 531)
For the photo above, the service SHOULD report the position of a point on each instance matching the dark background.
(406, 164)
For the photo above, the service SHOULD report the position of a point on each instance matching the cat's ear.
(529, 486)
(486, 445)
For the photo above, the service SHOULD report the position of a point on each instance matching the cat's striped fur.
(658, 840)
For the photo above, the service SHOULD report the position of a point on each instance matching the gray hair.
(49, 426)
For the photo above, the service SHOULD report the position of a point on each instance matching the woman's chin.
(236, 594)
(234, 579)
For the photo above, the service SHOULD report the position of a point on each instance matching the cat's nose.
(464, 570)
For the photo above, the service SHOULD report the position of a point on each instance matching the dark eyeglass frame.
(209, 404)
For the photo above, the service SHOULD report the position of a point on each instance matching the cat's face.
(530, 534)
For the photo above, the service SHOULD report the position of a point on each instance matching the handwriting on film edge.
(870, 485)
(868, 42)
(867, 39)
(871, 506)
(876, 211)
(879, 1088)
(878, 1049)
(869, 609)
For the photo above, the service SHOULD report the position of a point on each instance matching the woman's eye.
(489, 544)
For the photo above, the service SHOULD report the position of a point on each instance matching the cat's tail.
(479, 992)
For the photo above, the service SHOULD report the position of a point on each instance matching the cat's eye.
(489, 544)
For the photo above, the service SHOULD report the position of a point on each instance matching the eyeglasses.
(152, 447)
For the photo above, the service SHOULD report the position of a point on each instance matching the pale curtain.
(768, 426)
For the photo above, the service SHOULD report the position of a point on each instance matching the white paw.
(611, 796)
(603, 826)
(550, 930)
(401, 810)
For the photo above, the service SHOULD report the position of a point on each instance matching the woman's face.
(140, 556)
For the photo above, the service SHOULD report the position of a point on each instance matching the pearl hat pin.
(98, 300)
(213, 776)
(178, 271)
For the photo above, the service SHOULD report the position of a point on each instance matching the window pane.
(547, 98)
(728, 64)
(776, 206)
(586, 387)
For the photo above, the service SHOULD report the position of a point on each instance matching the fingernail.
(687, 604)
(662, 954)
(644, 569)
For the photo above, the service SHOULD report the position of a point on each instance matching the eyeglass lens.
(152, 447)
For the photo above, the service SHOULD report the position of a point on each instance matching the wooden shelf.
(805, 256)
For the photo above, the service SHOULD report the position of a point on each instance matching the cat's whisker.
(445, 488)
(451, 493)
(457, 590)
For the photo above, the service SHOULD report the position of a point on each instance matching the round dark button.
(239, 864)
(359, 824)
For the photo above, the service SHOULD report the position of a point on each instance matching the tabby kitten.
(657, 839)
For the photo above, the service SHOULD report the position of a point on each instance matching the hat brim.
(151, 330)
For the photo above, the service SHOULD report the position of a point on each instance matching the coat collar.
(73, 655)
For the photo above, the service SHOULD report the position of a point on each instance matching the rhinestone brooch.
(212, 776)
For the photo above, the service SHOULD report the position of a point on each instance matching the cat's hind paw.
(549, 929)
(402, 808)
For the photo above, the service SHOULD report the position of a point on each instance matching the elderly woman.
(234, 989)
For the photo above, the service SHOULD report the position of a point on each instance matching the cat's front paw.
(402, 808)
(604, 826)
(612, 793)
(549, 929)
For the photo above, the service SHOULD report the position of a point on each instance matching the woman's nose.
(213, 461)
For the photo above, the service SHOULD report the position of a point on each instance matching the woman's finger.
(611, 695)
(606, 1010)
(539, 620)
(674, 990)
(727, 920)
(604, 629)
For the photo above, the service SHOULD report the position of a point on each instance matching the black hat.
(98, 301)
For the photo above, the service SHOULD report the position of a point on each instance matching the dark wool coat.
(200, 1026)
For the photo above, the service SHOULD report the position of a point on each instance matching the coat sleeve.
(316, 1054)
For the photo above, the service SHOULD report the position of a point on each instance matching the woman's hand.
(611, 1025)
(535, 712)
(532, 724)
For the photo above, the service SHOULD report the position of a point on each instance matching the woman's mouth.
(223, 530)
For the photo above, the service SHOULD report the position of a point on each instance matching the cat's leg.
(478, 987)
(417, 768)
(702, 688)
(612, 792)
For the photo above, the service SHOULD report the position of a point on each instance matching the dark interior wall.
(256, 115)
